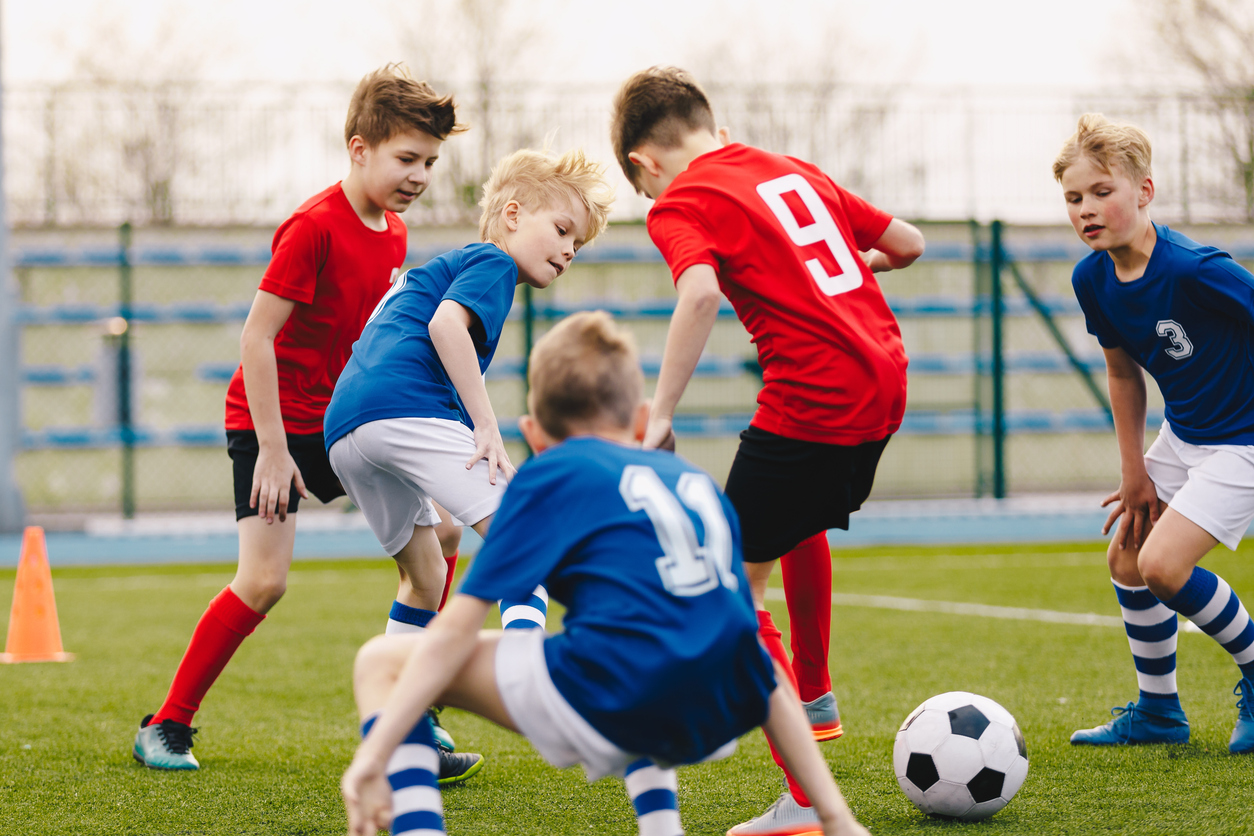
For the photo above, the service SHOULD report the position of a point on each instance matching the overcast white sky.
(1059, 43)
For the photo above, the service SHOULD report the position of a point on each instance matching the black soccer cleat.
(456, 767)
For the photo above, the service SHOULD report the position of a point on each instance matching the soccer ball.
(960, 755)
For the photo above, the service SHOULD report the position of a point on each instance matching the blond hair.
(1106, 144)
(537, 180)
(584, 371)
(389, 101)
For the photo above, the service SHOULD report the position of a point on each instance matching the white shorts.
(1209, 484)
(392, 469)
(560, 733)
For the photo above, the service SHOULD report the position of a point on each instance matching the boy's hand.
(489, 445)
(1138, 503)
(659, 435)
(272, 482)
(367, 798)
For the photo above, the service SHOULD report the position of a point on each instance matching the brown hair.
(583, 371)
(389, 100)
(1106, 143)
(537, 180)
(658, 105)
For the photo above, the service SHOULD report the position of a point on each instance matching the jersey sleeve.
(298, 253)
(1224, 286)
(680, 235)
(485, 286)
(532, 531)
(865, 221)
(1094, 320)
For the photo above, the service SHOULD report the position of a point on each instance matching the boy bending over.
(781, 241)
(660, 657)
(1184, 312)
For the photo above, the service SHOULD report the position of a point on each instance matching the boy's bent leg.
(807, 576)
(422, 579)
(164, 739)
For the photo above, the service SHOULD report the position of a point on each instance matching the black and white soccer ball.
(960, 755)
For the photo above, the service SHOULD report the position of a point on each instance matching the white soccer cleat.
(783, 818)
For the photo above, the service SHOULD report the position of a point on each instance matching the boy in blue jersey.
(660, 657)
(1184, 312)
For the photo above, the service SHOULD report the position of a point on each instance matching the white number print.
(687, 568)
(823, 229)
(398, 282)
(1180, 345)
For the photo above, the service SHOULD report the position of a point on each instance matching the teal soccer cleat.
(164, 745)
(1242, 740)
(442, 738)
(1133, 725)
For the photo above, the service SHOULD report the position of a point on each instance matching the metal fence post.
(12, 512)
(996, 257)
(126, 429)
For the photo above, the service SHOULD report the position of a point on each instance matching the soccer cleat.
(442, 738)
(1133, 725)
(783, 818)
(456, 767)
(1243, 735)
(164, 745)
(824, 717)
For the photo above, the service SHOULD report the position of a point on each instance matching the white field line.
(889, 602)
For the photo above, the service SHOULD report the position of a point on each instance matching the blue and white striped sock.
(1208, 601)
(407, 619)
(528, 614)
(1152, 632)
(413, 772)
(653, 791)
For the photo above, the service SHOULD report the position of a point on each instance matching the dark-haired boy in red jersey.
(781, 241)
(333, 260)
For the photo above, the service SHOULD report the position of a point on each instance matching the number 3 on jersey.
(687, 568)
(821, 229)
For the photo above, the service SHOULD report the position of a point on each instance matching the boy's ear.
(1147, 193)
(646, 161)
(724, 135)
(357, 149)
(510, 213)
(537, 439)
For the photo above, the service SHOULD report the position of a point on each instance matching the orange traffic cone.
(34, 633)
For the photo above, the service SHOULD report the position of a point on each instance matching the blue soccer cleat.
(442, 738)
(1243, 735)
(1134, 725)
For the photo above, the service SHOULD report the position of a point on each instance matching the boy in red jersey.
(781, 241)
(332, 262)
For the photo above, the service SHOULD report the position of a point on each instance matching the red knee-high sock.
(448, 579)
(221, 630)
(807, 572)
(773, 640)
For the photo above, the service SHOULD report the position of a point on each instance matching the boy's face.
(543, 241)
(1106, 208)
(396, 171)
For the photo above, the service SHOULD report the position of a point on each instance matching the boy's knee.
(261, 593)
(374, 661)
(1161, 573)
(1123, 565)
(450, 539)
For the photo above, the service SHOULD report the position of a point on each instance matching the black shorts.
(785, 490)
(308, 451)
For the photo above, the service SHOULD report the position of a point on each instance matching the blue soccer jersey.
(1189, 322)
(660, 651)
(394, 371)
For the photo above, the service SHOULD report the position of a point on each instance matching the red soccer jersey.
(784, 239)
(336, 269)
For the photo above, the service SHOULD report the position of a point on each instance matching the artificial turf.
(279, 726)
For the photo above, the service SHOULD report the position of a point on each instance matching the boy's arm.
(788, 728)
(435, 661)
(275, 469)
(1137, 499)
(898, 247)
(694, 317)
(450, 334)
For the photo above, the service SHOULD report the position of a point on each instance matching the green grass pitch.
(279, 727)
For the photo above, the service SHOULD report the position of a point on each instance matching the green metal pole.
(125, 419)
(979, 298)
(529, 332)
(999, 366)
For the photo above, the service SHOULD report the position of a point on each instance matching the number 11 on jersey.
(822, 229)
